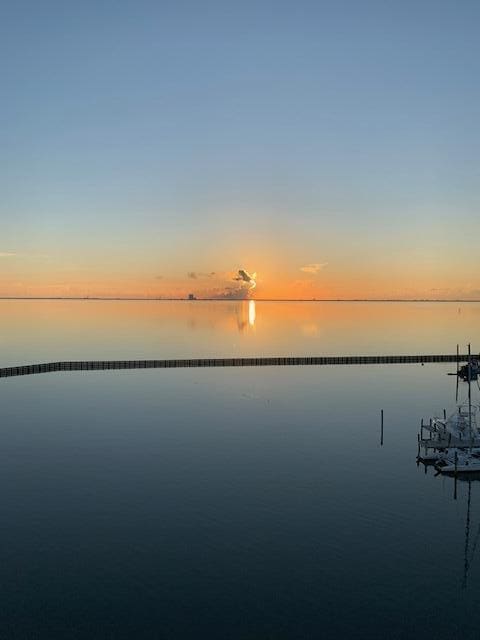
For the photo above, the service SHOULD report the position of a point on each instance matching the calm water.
(237, 503)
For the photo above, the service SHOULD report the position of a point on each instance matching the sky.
(154, 148)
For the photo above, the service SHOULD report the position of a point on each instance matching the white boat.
(461, 425)
(459, 461)
(453, 443)
(460, 430)
(471, 370)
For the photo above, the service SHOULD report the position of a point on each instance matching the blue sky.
(154, 133)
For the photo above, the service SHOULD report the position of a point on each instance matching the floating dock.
(104, 365)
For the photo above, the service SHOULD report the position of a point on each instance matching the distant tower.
(191, 296)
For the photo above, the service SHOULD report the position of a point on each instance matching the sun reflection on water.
(251, 313)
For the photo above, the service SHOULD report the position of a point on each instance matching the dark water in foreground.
(251, 503)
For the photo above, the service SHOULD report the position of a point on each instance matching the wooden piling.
(456, 476)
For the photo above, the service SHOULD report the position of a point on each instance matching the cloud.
(230, 290)
(194, 275)
(314, 267)
(245, 278)
(28, 256)
(220, 285)
(231, 293)
(466, 291)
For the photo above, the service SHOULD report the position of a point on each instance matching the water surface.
(238, 503)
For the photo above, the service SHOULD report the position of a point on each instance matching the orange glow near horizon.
(278, 278)
(296, 290)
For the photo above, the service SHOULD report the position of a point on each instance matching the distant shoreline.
(95, 298)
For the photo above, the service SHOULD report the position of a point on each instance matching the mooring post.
(444, 414)
(381, 428)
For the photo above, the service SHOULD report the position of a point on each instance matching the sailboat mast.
(458, 372)
(470, 397)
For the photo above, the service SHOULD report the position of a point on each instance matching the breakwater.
(108, 365)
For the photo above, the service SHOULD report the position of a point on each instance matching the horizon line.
(165, 299)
